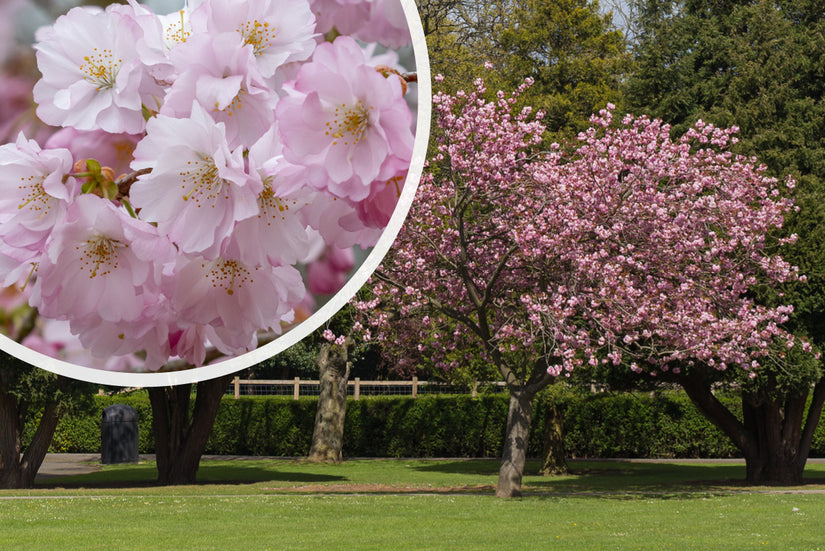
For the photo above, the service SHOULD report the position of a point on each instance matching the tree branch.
(487, 295)
(125, 184)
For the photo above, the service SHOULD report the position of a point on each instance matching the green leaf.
(93, 166)
(111, 190)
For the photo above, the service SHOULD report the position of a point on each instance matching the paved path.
(65, 464)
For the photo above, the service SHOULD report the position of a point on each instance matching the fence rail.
(356, 388)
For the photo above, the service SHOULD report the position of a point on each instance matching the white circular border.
(232, 365)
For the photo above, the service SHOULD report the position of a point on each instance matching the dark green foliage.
(296, 361)
(33, 387)
(575, 57)
(429, 426)
(638, 425)
(79, 431)
(570, 50)
(596, 425)
(263, 426)
(757, 64)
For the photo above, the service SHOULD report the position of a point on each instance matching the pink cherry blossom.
(345, 122)
(112, 150)
(92, 76)
(277, 31)
(233, 298)
(220, 74)
(625, 246)
(36, 191)
(54, 338)
(181, 210)
(190, 342)
(386, 25)
(345, 16)
(107, 341)
(197, 188)
(160, 34)
(338, 224)
(102, 263)
(375, 211)
(278, 233)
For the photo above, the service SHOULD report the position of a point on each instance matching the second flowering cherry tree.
(233, 145)
(624, 248)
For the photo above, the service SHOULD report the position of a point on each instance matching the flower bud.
(386, 71)
(108, 174)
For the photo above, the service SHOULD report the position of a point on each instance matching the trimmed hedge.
(263, 426)
(601, 425)
(81, 433)
(634, 425)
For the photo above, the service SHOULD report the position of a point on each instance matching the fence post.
(356, 394)
(415, 387)
(237, 382)
(475, 389)
(296, 389)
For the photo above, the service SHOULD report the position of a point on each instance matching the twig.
(125, 184)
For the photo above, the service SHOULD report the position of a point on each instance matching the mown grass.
(294, 505)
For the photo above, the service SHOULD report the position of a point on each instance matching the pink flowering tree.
(624, 248)
(209, 167)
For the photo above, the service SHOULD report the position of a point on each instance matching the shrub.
(595, 425)
(81, 433)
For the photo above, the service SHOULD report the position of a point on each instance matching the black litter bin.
(119, 434)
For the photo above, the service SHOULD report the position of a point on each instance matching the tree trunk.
(771, 437)
(519, 416)
(555, 462)
(777, 452)
(16, 470)
(180, 437)
(328, 434)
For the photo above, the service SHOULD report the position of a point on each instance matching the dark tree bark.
(181, 434)
(519, 418)
(19, 470)
(514, 456)
(16, 470)
(328, 434)
(771, 437)
(554, 458)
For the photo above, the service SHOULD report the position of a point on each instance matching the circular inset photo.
(199, 185)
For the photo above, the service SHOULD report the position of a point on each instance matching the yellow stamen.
(99, 255)
(270, 205)
(202, 181)
(230, 275)
(175, 34)
(35, 197)
(349, 123)
(101, 68)
(258, 35)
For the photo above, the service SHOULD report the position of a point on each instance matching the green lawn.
(398, 504)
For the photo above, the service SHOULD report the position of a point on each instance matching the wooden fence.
(355, 388)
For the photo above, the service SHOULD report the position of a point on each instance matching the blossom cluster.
(204, 159)
(624, 246)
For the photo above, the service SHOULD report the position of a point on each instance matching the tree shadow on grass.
(628, 479)
(470, 466)
(145, 475)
